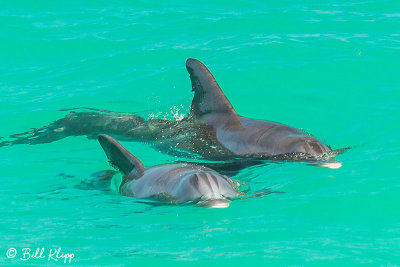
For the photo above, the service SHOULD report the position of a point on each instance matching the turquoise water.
(328, 67)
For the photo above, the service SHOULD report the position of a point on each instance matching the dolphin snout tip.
(215, 203)
(331, 165)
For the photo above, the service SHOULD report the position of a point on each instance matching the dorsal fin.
(120, 157)
(208, 96)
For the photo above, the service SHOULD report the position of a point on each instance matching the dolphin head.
(208, 187)
(295, 147)
(317, 153)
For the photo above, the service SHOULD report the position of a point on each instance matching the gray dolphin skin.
(174, 183)
(213, 130)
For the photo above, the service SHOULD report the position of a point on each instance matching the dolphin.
(174, 183)
(247, 137)
(213, 130)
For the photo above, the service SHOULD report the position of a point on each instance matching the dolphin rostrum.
(173, 183)
(212, 130)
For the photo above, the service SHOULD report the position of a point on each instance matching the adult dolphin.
(213, 130)
(247, 137)
(173, 183)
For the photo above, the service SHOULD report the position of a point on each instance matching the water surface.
(330, 68)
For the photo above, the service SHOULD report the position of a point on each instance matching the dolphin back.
(120, 157)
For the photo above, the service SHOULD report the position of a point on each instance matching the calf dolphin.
(212, 130)
(176, 183)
